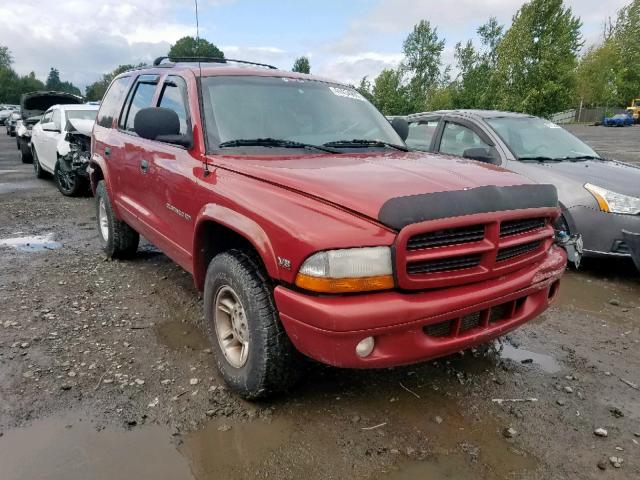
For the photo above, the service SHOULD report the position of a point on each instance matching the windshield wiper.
(540, 159)
(581, 157)
(273, 142)
(363, 143)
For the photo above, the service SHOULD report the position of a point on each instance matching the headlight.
(614, 202)
(347, 270)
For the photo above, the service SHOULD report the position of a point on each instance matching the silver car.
(600, 198)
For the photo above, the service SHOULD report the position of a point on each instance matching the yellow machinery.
(634, 110)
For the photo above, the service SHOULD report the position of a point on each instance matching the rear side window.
(174, 97)
(57, 121)
(141, 98)
(111, 102)
(421, 134)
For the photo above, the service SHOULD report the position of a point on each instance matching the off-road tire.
(122, 240)
(272, 364)
(75, 188)
(37, 168)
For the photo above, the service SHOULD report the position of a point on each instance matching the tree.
(364, 88)
(6, 60)
(53, 80)
(597, 76)
(624, 45)
(301, 65)
(389, 94)
(192, 47)
(422, 51)
(471, 87)
(96, 90)
(536, 59)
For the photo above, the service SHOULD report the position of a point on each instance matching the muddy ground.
(105, 374)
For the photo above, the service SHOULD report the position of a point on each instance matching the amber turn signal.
(344, 285)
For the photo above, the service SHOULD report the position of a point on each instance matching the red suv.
(297, 209)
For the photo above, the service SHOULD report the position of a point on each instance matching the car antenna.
(206, 165)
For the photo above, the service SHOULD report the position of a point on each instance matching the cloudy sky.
(345, 40)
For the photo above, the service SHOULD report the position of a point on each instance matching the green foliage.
(536, 60)
(192, 47)
(6, 60)
(301, 65)
(365, 89)
(423, 58)
(12, 85)
(597, 76)
(96, 90)
(389, 94)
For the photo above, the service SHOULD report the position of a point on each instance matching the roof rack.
(159, 61)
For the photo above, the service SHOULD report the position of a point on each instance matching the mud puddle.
(74, 448)
(31, 243)
(179, 335)
(590, 293)
(544, 361)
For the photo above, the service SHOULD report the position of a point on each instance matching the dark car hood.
(365, 182)
(36, 103)
(610, 174)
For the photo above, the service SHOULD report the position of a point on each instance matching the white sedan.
(49, 144)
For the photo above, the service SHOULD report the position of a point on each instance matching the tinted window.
(141, 99)
(111, 102)
(46, 118)
(457, 138)
(420, 134)
(174, 97)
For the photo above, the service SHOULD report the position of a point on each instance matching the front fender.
(96, 165)
(242, 225)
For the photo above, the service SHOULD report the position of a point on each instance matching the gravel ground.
(104, 373)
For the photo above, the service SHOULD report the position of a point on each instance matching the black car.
(600, 198)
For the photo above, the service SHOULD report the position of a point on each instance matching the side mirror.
(161, 124)
(401, 126)
(481, 154)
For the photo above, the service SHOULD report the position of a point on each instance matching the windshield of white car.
(532, 138)
(82, 114)
(308, 112)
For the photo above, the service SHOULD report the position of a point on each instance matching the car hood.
(610, 174)
(364, 183)
(82, 126)
(36, 103)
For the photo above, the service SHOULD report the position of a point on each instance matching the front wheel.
(118, 239)
(68, 182)
(252, 350)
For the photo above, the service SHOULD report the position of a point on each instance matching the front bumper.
(329, 328)
(602, 231)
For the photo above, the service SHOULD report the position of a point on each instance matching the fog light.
(365, 347)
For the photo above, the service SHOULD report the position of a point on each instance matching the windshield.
(532, 137)
(292, 110)
(82, 114)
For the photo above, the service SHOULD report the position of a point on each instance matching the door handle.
(144, 166)
(107, 151)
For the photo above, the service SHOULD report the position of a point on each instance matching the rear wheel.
(25, 152)
(253, 352)
(37, 168)
(118, 239)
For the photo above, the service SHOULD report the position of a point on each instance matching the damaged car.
(10, 123)
(59, 145)
(32, 107)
